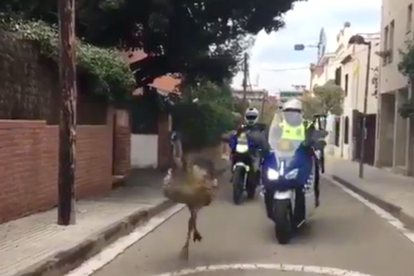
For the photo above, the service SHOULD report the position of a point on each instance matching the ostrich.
(191, 182)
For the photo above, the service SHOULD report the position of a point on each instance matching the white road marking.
(112, 251)
(379, 211)
(318, 270)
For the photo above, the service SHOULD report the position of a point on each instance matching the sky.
(303, 25)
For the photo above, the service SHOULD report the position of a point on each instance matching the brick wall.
(27, 168)
(29, 165)
(94, 160)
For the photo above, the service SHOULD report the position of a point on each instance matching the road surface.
(344, 234)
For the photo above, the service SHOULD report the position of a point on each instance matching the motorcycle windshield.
(284, 148)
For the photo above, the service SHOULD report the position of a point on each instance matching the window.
(391, 42)
(337, 130)
(385, 45)
(338, 75)
(346, 131)
(409, 18)
(346, 84)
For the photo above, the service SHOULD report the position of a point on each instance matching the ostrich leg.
(196, 234)
(185, 250)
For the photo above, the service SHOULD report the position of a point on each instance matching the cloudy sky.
(303, 24)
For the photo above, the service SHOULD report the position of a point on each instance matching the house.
(254, 96)
(151, 126)
(322, 71)
(286, 95)
(351, 75)
(347, 67)
(395, 147)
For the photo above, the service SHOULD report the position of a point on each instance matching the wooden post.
(245, 72)
(264, 98)
(67, 127)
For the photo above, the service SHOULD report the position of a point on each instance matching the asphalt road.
(344, 234)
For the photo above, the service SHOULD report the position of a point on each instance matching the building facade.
(395, 135)
(347, 66)
(351, 75)
(253, 96)
(322, 71)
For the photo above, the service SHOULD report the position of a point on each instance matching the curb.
(391, 208)
(67, 260)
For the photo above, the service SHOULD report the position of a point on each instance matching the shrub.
(202, 124)
(107, 74)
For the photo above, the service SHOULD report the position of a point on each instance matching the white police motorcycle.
(289, 174)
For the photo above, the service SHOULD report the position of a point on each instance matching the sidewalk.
(37, 246)
(393, 193)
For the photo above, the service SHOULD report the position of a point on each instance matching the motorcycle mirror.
(321, 120)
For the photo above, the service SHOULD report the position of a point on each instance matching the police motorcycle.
(246, 163)
(291, 171)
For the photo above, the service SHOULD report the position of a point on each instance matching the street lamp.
(302, 47)
(360, 40)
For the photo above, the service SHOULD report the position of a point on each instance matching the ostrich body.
(190, 182)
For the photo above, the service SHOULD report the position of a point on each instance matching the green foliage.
(107, 73)
(209, 92)
(406, 110)
(406, 68)
(326, 99)
(205, 121)
(406, 64)
(238, 106)
(203, 39)
(202, 124)
(311, 107)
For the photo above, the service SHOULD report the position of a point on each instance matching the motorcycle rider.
(254, 133)
(293, 127)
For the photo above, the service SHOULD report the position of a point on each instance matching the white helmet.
(251, 116)
(293, 104)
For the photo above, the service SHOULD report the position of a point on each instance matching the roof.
(165, 84)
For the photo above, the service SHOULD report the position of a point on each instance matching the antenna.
(321, 44)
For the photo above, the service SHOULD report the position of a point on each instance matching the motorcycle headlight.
(242, 148)
(272, 174)
(292, 174)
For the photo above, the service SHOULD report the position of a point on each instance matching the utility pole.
(264, 97)
(67, 126)
(363, 130)
(245, 75)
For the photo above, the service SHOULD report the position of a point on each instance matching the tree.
(311, 106)
(326, 99)
(204, 122)
(209, 92)
(194, 39)
(406, 68)
(269, 109)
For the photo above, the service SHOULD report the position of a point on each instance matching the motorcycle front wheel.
(238, 184)
(282, 214)
(252, 183)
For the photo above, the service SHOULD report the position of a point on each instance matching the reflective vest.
(292, 132)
